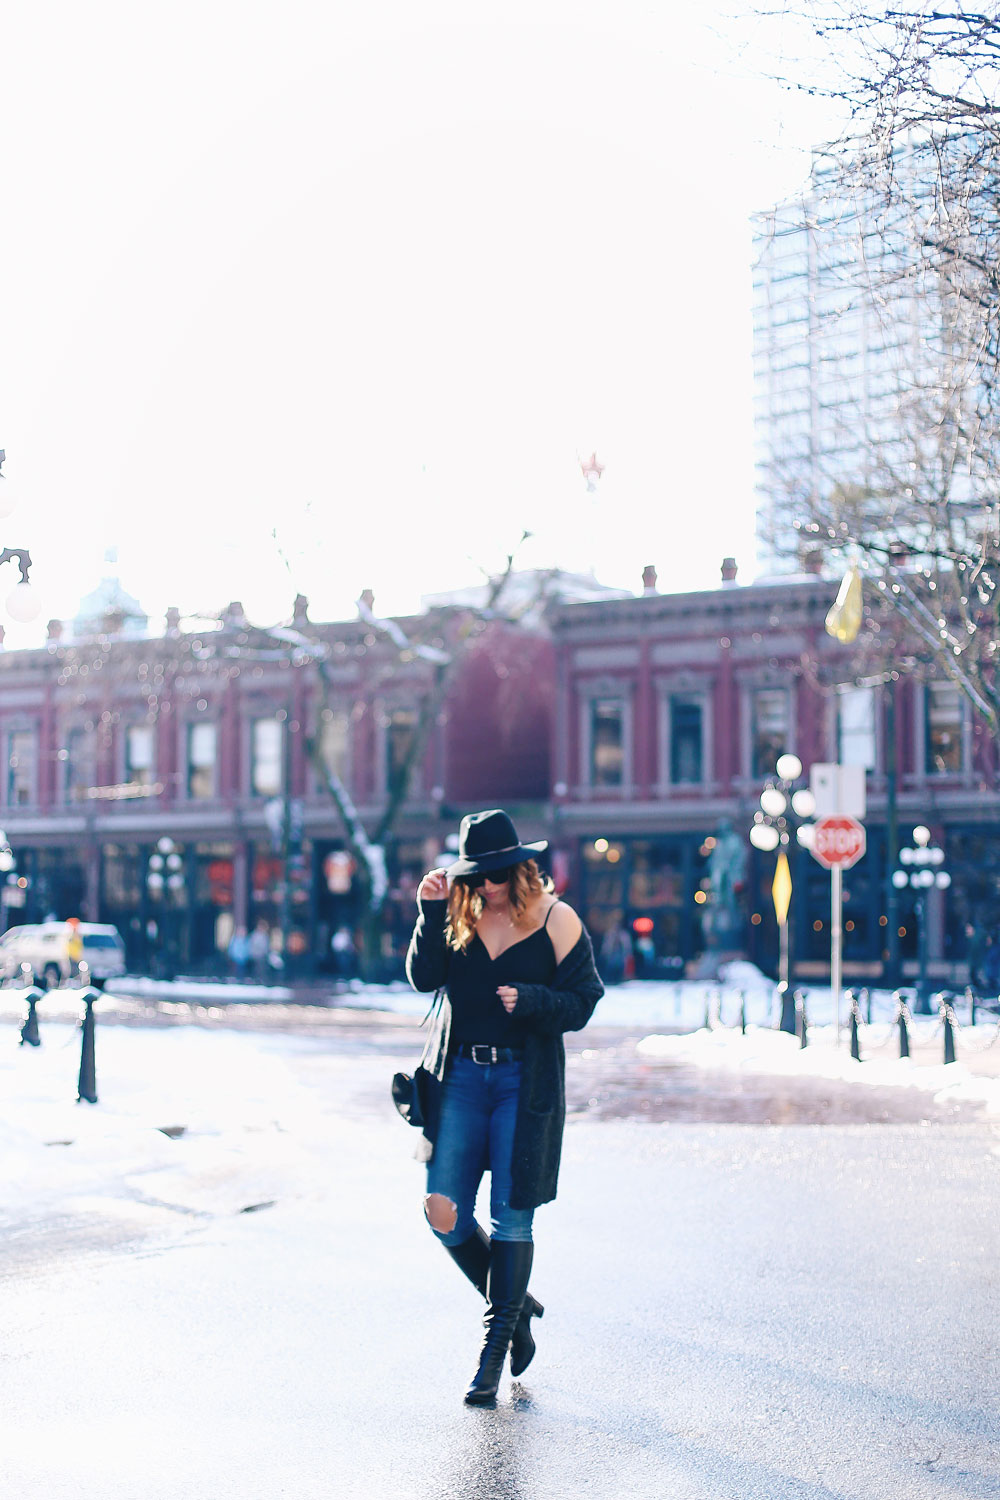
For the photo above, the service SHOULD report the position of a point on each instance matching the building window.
(944, 726)
(856, 728)
(768, 730)
(400, 728)
(201, 750)
(77, 761)
(22, 755)
(335, 741)
(139, 754)
(686, 740)
(607, 742)
(266, 747)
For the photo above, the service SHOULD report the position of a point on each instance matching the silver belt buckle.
(482, 1047)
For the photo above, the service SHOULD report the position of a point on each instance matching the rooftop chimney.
(173, 620)
(54, 630)
(112, 622)
(300, 610)
(728, 572)
(233, 614)
(367, 599)
(649, 580)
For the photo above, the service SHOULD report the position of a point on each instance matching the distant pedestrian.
(239, 952)
(74, 946)
(516, 969)
(342, 948)
(616, 952)
(259, 949)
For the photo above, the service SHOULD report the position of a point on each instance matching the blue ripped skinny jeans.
(476, 1135)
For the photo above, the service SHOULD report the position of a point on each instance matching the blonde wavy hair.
(465, 905)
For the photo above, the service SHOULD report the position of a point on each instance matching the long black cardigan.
(548, 1010)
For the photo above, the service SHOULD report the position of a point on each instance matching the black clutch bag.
(406, 1097)
(410, 1094)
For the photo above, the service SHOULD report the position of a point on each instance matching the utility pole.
(891, 836)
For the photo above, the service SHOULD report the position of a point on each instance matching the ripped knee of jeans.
(441, 1213)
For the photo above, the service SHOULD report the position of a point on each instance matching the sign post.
(838, 843)
(781, 895)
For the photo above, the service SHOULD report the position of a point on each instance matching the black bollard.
(789, 1003)
(948, 1015)
(87, 1087)
(855, 1037)
(801, 1020)
(902, 1019)
(29, 1031)
(743, 1012)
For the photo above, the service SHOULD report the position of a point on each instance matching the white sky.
(377, 276)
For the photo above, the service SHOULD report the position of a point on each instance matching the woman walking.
(515, 968)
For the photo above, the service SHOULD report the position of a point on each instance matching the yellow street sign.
(781, 889)
(843, 620)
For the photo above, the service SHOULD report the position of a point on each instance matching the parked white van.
(51, 950)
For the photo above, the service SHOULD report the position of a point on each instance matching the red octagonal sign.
(838, 841)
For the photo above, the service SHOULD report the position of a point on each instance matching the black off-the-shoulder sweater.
(545, 1012)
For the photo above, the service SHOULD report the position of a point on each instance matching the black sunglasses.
(495, 877)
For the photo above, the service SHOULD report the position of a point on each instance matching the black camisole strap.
(548, 914)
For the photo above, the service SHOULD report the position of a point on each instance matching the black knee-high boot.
(510, 1267)
(472, 1257)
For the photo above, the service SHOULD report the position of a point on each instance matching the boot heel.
(522, 1345)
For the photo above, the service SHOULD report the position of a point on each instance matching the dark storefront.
(642, 900)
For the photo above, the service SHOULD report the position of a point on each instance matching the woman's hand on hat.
(434, 886)
(508, 997)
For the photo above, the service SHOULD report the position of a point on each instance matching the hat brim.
(487, 863)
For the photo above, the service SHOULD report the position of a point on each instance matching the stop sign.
(838, 841)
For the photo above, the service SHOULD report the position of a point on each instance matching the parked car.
(51, 948)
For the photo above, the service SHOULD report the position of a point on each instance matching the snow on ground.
(776, 1053)
(224, 1084)
(196, 989)
(185, 1115)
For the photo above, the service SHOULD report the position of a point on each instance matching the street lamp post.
(922, 871)
(10, 894)
(783, 815)
(164, 881)
(22, 601)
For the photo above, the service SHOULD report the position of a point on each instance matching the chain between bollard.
(962, 1030)
(902, 1015)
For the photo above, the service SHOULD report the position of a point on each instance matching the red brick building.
(111, 744)
(634, 733)
(670, 713)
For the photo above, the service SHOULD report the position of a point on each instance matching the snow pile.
(776, 1053)
(206, 1120)
(224, 991)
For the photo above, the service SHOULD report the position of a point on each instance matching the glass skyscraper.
(859, 356)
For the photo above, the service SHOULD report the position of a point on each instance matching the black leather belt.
(483, 1053)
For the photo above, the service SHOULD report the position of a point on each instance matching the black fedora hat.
(488, 841)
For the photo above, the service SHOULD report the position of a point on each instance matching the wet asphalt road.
(732, 1311)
